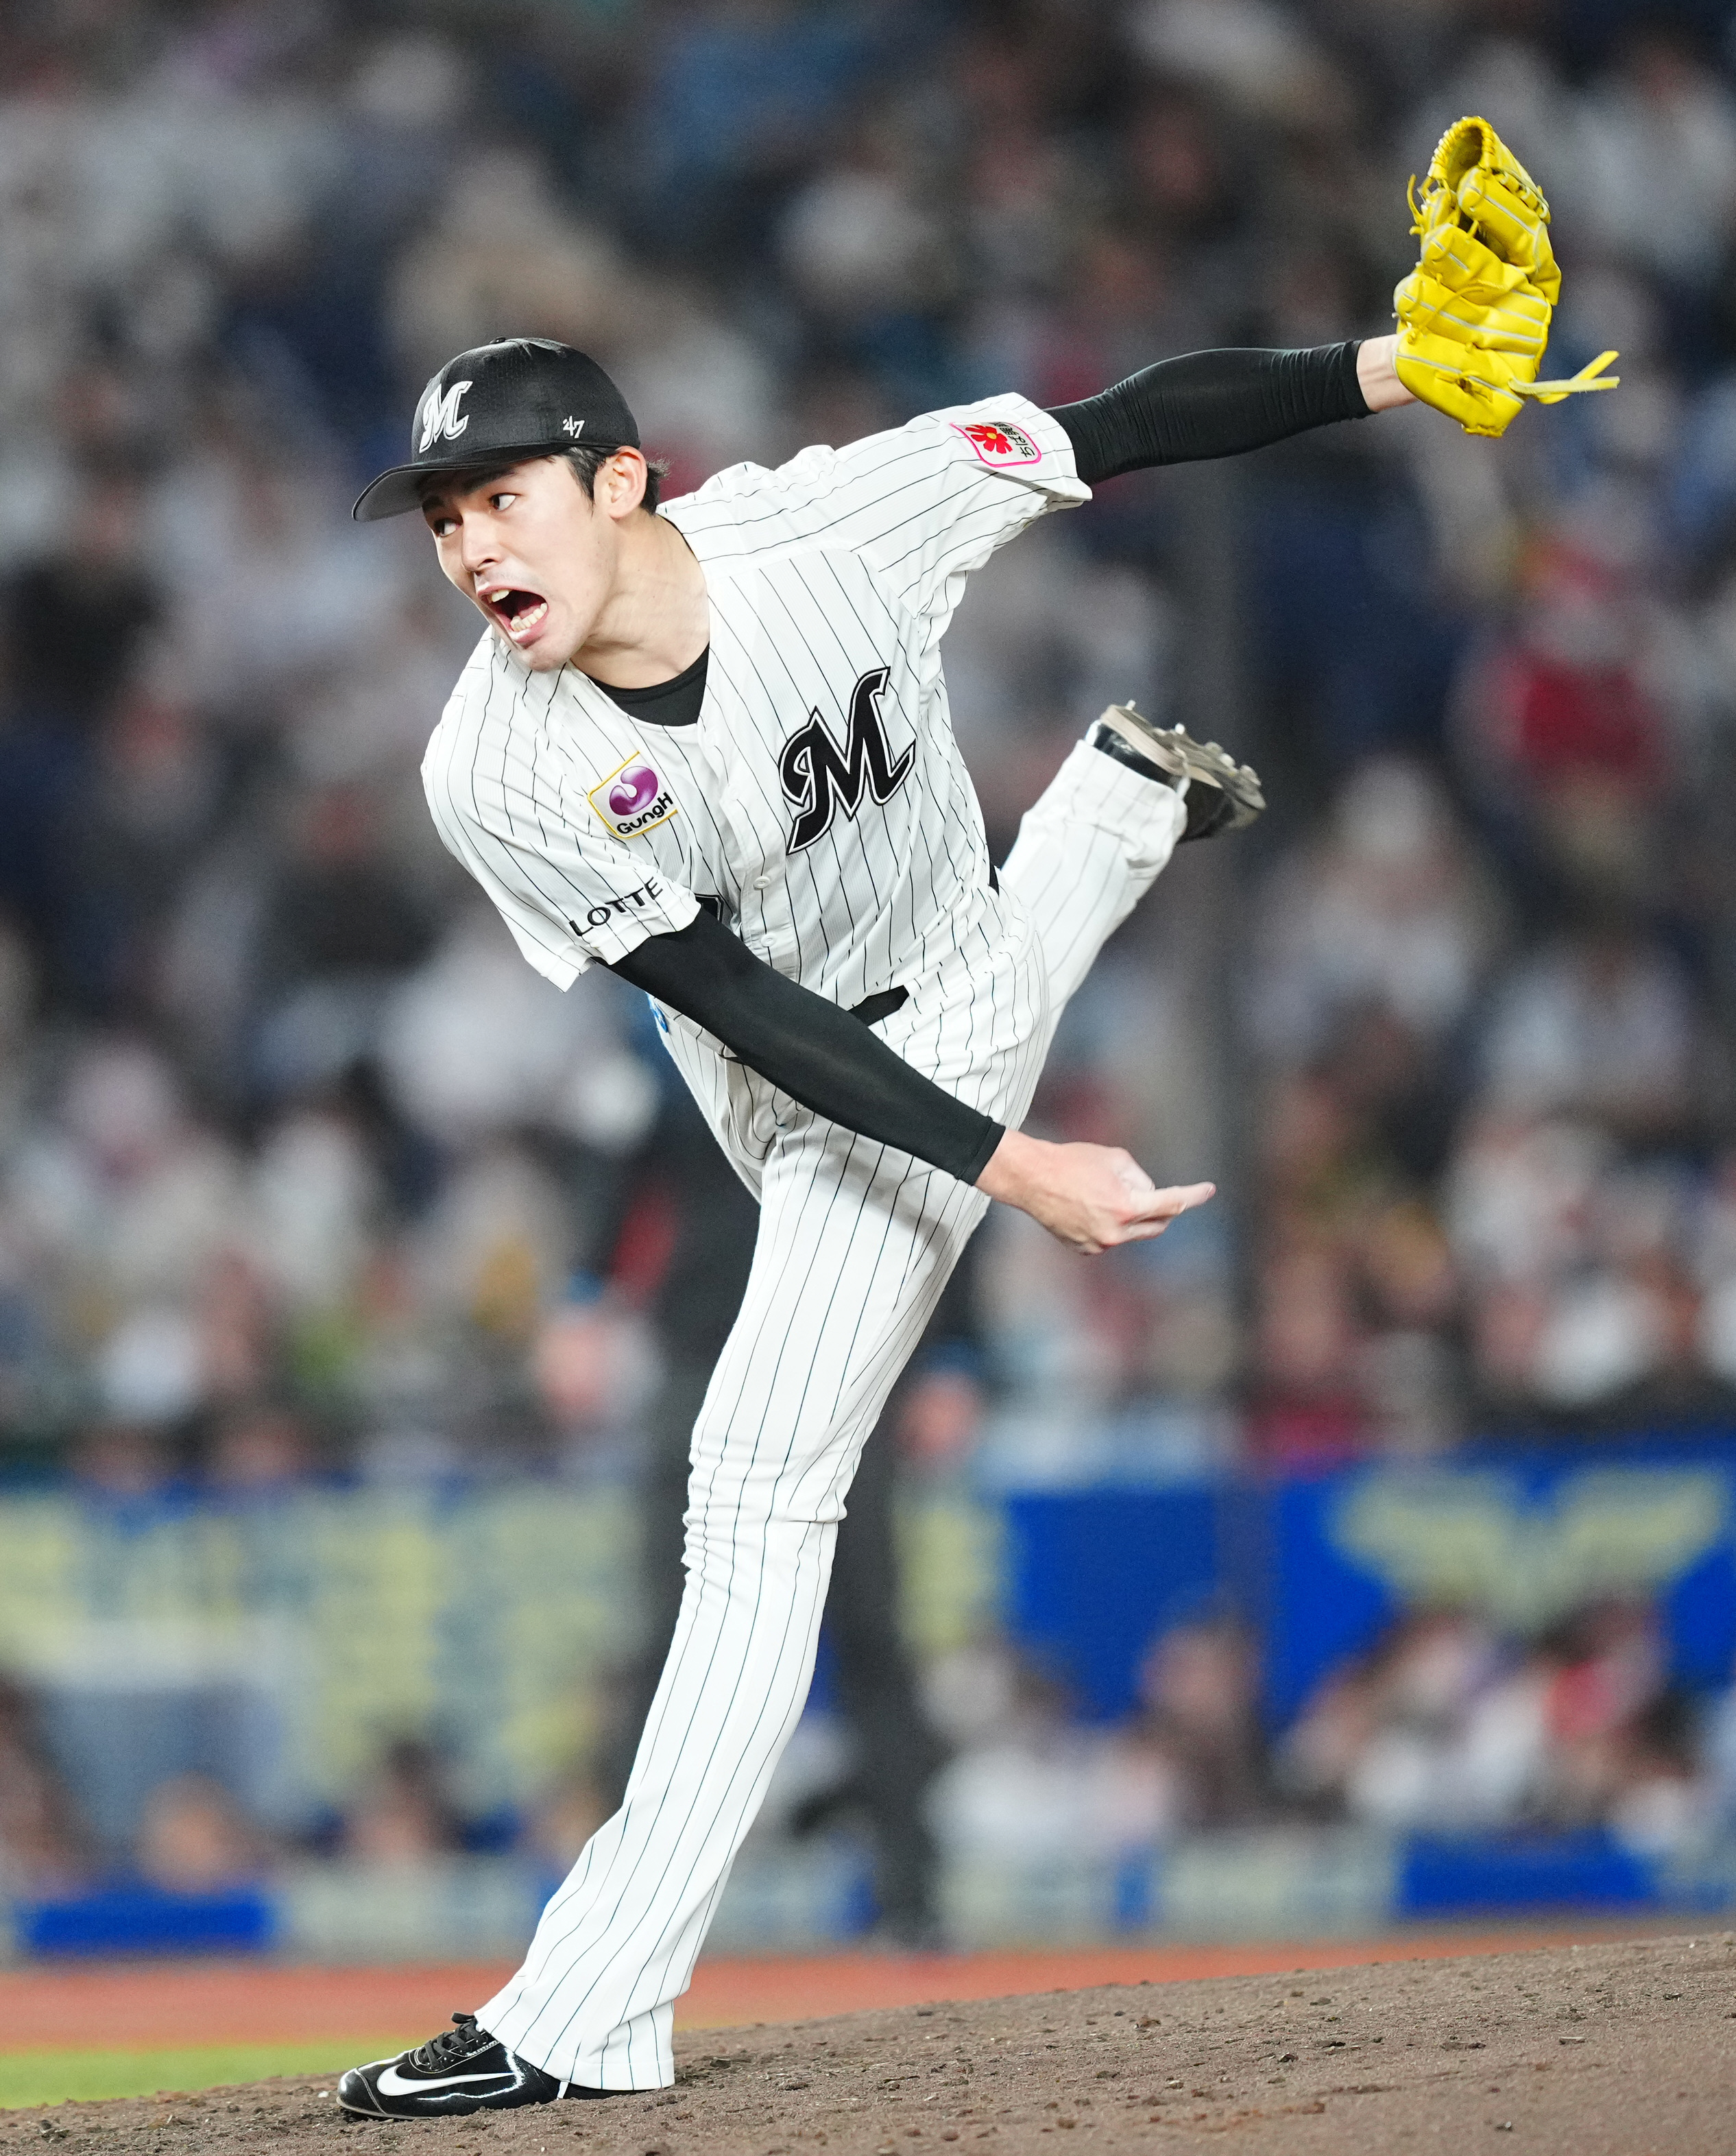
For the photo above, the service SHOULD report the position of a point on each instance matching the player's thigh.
(856, 1242)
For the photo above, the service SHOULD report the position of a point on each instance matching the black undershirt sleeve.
(1210, 404)
(814, 1052)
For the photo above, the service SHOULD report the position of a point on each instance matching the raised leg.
(1089, 849)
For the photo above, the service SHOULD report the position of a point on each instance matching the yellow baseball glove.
(1474, 314)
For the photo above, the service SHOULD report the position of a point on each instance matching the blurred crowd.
(1443, 1727)
(289, 1139)
(303, 1171)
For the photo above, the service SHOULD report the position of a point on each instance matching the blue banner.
(1321, 1567)
(1092, 1576)
(1520, 1544)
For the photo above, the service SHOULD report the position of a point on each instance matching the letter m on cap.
(440, 416)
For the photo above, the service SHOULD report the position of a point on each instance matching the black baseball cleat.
(462, 2070)
(1221, 795)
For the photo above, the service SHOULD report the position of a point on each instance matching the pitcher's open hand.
(1091, 1196)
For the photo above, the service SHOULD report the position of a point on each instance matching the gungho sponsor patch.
(632, 797)
(999, 442)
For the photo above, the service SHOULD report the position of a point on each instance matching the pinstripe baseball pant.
(855, 1243)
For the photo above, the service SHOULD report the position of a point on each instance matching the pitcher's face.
(536, 554)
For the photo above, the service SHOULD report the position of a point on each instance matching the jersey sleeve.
(569, 902)
(925, 504)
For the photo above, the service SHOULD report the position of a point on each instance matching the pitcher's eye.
(440, 526)
(502, 501)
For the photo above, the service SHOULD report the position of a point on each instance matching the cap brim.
(396, 492)
(393, 493)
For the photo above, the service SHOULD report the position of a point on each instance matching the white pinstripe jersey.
(820, 797)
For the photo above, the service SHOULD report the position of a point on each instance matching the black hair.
(585, 464)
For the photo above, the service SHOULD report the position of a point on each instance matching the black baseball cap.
(517, 398)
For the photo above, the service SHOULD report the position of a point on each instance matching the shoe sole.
(465, 2107)
(1173, 749)
(459, 2107)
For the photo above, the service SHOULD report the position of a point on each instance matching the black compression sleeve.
(818, 1054)
(1210, 404)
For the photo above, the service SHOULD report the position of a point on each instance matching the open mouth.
(517, 610)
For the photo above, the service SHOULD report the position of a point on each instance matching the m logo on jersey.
(632, 797)
(439, 415)
(999, 442)
(820, 778)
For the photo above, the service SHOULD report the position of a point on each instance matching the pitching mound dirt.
(1610, 2050)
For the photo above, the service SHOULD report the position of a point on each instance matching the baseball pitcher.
(705, 743)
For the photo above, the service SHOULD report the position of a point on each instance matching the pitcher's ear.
(621, 482)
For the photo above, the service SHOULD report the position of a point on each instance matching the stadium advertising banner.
(1524, 1546)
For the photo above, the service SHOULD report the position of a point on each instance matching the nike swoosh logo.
(391, 2082)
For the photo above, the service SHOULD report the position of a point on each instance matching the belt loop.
(872, 1009)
